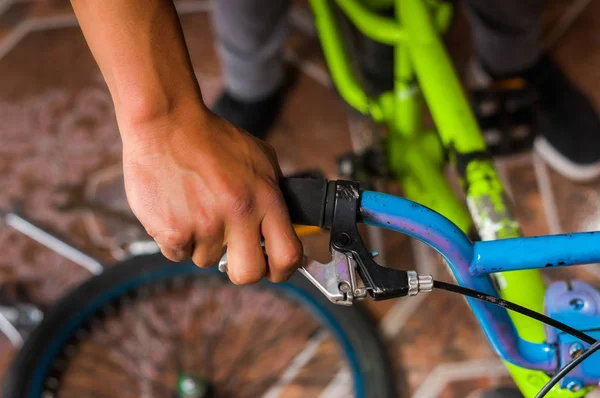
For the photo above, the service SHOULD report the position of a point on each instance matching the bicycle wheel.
(149, 327)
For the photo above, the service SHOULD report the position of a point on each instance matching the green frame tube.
(378, 28)
(337, 60)
(424, 74)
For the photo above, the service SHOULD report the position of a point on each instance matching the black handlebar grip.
(305, 199)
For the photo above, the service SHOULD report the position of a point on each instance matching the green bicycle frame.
(424, 75)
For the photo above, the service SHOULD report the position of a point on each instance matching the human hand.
(197, 183)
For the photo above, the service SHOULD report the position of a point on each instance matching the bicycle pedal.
(506, 117)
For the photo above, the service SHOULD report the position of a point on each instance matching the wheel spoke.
(299, 361)
(224, 328)
(268, 345)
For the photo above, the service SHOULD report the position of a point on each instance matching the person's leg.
(506, 34)
(250, 35)
(507, 41)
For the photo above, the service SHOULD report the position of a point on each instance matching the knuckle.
(274, 202)
(268, 147)
(246, 277)
(203, 262)
(205, 259)
(243, 206)
(209, 230)
(174, 255)
(270, 185)
(271, 200)
(288, 259)
(271, 153)
(172, 239)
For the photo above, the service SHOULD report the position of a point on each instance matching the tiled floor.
(57, 127)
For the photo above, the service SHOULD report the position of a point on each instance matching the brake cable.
(516, 308)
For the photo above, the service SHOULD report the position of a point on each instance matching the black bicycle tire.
(373, 361)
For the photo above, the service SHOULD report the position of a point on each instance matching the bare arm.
(140, 49)
(195, 182)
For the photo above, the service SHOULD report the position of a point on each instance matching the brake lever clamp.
(381, 283)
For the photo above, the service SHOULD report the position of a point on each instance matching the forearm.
(140, 49)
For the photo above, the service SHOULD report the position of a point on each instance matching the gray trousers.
(251, 33)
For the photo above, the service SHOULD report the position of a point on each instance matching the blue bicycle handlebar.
(470, 263)
(536, 252)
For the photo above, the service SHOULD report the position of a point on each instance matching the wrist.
(152, 118)
(138, 107)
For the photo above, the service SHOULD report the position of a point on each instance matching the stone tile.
(58, 127)
(377, 309)
(311, 134)
(554, 14)
(306, 52)
(443, 330)
(458, 41)
(20, 12)
(62, 64)
(578, 51)
(7, 354)
(326, 363)
(12, 16)
(583, 197)
(528, 206)
(51, 8)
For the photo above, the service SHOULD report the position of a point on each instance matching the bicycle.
(415, 157)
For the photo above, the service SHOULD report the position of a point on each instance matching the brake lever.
(337, 280)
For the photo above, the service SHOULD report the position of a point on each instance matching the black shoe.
(256, 117)
(568, 124)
